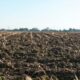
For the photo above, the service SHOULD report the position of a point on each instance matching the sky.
(55, 14)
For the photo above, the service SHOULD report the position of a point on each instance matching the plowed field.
(42, 56)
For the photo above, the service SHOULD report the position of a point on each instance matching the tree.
(34, 30)
(45, 30)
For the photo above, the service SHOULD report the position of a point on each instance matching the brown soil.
(39, 55)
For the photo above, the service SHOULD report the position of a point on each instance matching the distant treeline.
(43, 30)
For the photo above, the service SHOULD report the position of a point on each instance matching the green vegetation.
(2, 78)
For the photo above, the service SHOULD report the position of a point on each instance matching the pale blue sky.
(56, 14)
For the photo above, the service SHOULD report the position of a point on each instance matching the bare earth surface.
(42, 56)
